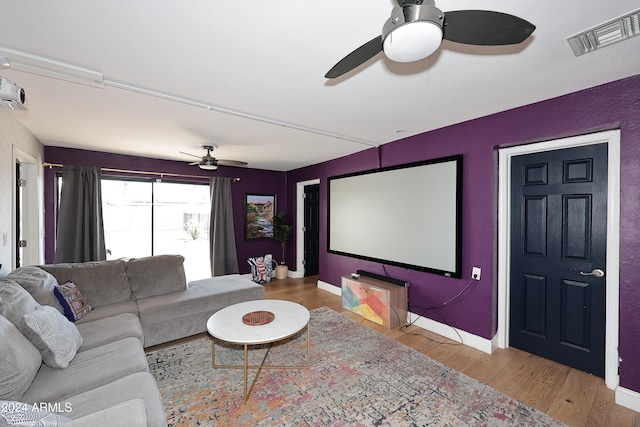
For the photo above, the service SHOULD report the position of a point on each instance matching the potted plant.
(281, 232)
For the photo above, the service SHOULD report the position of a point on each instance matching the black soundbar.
(383, 278)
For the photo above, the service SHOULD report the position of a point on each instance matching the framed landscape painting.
(259, 210)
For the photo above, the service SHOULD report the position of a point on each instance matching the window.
(143, 218)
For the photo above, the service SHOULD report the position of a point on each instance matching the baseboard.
(447, 331)
(295, 274)
(329, 288)
(628, 398)
(430, 325)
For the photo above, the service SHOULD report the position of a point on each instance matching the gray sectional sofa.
(93, 370)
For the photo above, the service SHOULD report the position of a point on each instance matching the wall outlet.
(476, 272)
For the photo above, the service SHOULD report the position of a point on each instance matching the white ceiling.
(263, 63)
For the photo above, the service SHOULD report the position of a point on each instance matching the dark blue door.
(311, 229)
(558, 253)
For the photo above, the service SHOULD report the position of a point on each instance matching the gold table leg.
(245, 366)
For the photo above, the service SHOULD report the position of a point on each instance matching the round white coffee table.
(258, 322)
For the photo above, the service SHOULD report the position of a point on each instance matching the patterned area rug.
(358, 377)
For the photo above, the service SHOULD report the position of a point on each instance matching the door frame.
(300, 225)
(612, 268)
(33, 227)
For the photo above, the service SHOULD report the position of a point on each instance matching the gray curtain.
(80, 235)
(222, 239)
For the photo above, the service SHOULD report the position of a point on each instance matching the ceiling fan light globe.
(412, 41)
(208, 167)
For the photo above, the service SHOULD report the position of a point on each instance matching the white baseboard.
(430, 325)
(447, 331)
(628, 398)
(295, 274)
(330, 288)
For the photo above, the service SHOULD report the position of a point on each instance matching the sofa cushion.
(206, 295)
(101, 282)
(89, 369)
(135, 386)
(22, 414)
(19, 362)
(109, 311)
(156, 275)
(127, 414)
(109, 329)
(57, 339)
(15, 301)
(38, 283)
(72, 301)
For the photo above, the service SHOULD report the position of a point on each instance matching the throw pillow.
(14, 413)
(74, 304)
(15, 301)
(19, 361)
(57, 339)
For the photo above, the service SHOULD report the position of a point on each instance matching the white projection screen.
(408, 215)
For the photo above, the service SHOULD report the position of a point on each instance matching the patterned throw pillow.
(22, 414)
(261, 268)
(57, 339)
(74, 304)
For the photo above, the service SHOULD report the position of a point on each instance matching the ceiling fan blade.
(231, 162)
(194, 163)
(189, 154)
(356, 58)
(485, 28)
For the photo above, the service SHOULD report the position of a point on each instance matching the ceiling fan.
(210, 163)
(417, 27)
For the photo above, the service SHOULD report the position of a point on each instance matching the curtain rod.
(161, 174)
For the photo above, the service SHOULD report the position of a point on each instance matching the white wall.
(13, 133)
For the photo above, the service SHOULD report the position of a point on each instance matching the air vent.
(611, 32)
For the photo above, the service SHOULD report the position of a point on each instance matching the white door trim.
(612, 139)
(300, 225)
(33, 222)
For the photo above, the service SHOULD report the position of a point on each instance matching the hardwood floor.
(573, 397)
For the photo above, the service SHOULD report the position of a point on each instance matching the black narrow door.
(311, 229)
(558, 252)
(19, 225)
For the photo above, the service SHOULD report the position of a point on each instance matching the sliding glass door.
(143, 218)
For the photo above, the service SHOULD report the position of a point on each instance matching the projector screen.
(408, 215)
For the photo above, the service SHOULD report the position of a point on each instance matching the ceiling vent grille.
(611, 32)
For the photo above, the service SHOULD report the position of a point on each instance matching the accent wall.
(612, 106)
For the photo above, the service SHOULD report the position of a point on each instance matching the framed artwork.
(259, 210)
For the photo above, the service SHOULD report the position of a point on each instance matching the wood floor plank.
(575, 398)
(516, 373)
(488, 366)
(544, 385)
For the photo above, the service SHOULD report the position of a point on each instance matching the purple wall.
(251, 181)
(612, 106)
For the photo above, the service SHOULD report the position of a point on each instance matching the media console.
(376, 300)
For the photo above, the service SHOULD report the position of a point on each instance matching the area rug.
(358, 377)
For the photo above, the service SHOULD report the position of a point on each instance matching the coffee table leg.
(246, 357)
(255, 379)
(213, 352)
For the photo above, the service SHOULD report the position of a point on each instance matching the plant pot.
(282, 271)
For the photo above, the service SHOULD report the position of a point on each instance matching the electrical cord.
(425, 309)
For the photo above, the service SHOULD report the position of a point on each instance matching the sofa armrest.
(127, 414)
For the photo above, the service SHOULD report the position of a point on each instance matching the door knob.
(596, 272)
